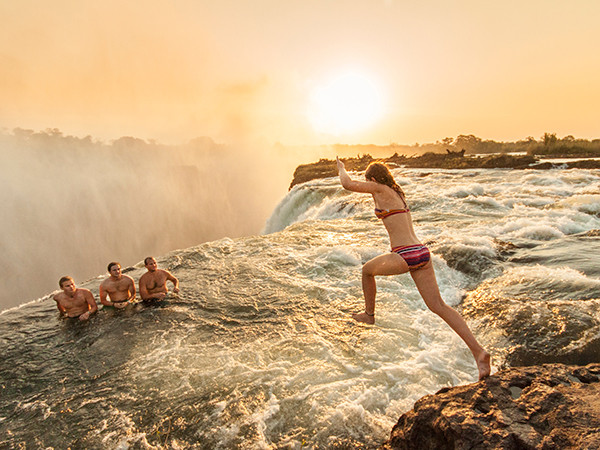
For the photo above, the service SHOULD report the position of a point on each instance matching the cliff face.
(552, 406)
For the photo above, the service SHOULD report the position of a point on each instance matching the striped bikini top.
(383, 213)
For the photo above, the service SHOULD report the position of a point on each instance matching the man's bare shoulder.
(127, 277)
(85, 291)
(146, 275)
(58, 297)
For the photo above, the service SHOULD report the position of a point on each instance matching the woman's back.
(393, 210)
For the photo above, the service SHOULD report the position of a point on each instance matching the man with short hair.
(153, 284)
(74, 302)
(119, 288)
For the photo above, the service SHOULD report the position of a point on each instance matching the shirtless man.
(74, 302)
(153, 284)
(120, 288)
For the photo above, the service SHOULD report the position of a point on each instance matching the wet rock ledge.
(552, 406)
(450, 160)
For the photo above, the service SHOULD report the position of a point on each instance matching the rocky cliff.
(552, 406)
(450, 160)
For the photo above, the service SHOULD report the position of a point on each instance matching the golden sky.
(268, 70)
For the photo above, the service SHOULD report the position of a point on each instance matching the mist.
(72, 205)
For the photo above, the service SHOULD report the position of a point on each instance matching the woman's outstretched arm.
(353, 185)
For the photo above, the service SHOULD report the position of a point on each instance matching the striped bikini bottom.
(416, 256)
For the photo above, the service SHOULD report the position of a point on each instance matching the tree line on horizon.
(52, 139)
(548, 145)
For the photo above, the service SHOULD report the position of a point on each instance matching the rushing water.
(258, 349)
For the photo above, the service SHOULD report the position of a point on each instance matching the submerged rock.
(553, 406)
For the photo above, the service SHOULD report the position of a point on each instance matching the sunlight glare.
(348, 103)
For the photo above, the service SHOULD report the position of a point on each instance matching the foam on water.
(587, 203)
(537, 314)
(466, 191)
(544, 283)
(318, 200)
(275, 364)
(259, 351)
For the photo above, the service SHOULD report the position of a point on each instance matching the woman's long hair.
(382, 174)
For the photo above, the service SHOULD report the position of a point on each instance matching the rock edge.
(552, 406)
(325, 168)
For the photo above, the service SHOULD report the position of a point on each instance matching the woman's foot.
(483, 365)
(364, 318)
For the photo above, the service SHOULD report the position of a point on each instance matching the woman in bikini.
(407, 255)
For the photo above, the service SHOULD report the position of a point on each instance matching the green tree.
(470, 143)
(447, 141)
(549, 139)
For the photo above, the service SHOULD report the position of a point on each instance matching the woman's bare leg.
(428, 288)
(388, 264)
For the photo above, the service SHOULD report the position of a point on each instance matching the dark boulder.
(553, 406)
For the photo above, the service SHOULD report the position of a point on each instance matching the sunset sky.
(301, 71)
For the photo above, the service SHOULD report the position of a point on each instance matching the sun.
(347, 103)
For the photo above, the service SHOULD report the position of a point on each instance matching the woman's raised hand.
(340, 164)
